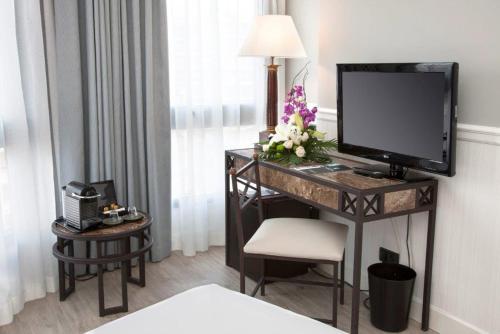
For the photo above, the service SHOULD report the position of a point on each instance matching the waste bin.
(391, 290)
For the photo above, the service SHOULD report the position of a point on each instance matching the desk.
(123, 233)
(355, 197)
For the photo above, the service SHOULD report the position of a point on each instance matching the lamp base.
(272, 101)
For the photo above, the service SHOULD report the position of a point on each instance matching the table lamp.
(272, 36)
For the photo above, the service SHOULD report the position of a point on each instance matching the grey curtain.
(110, 112)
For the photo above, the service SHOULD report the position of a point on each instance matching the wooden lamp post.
(273, 36)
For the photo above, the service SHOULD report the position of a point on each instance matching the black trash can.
(391, 291)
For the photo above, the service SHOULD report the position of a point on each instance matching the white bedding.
(213, 309)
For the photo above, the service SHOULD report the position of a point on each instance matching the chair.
(288, 239)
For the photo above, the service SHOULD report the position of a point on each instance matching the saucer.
(112, 221)
(133, 218)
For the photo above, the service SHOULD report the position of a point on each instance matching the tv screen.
(398, 113)
(410, 105)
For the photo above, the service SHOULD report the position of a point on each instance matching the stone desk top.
(336, 188)
(344, 177)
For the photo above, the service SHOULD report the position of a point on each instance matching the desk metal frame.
(360, 206)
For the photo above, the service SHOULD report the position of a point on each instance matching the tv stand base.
(392, 171)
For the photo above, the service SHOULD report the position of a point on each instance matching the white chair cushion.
(299, 238)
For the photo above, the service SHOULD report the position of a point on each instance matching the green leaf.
(317, 151)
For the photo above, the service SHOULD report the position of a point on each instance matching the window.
(210, 85)
(4, 208)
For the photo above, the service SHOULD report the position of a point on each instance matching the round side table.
(121, 233)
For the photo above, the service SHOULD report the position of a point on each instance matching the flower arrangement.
(297, 140)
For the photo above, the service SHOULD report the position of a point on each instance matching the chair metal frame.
(242, 201)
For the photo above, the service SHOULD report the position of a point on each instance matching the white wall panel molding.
(479, 134)
(465, 293)
(466, 132)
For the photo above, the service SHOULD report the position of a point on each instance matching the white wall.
(309, 33)
(464, 31)
(465, 292)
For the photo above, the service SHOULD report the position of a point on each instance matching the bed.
(213, 309)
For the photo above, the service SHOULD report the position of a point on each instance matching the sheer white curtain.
(27, 269)
(217, 102)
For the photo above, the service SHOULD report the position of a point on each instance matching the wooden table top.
(104, 232)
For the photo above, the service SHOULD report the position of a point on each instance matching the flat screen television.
(401, 114)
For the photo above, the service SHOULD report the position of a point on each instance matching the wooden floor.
(78, 313)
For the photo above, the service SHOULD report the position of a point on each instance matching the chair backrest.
(249, 196)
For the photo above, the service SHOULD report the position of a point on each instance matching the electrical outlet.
(388, 256)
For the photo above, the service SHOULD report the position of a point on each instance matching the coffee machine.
(80, 205)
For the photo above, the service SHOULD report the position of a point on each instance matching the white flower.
(294, 135)
(280, 135)
(305, 136)
(265, 148)
(288, 144)
(281, 129)
(300, 151)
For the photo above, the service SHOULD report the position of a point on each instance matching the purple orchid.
(295, 102)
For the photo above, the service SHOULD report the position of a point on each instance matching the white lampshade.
(273, 36)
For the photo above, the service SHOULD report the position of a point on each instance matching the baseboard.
(440, 320)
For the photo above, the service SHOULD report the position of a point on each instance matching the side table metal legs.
(103, 311)
(63, 292)
(142, 263)
(101, 260)
(141, 281)
(64, 252)
(126, 275)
